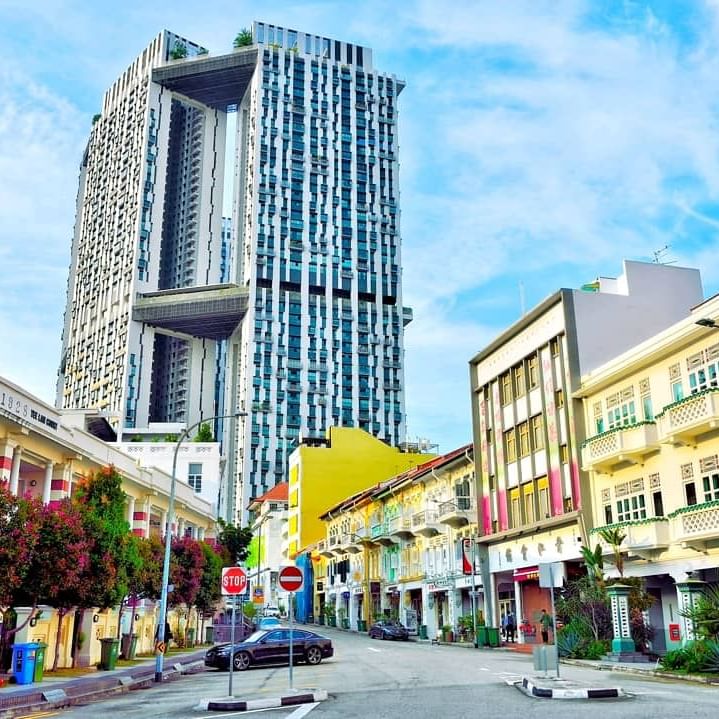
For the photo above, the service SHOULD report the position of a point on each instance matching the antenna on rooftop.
(660, 256)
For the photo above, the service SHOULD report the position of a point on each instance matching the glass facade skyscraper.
(290, 309)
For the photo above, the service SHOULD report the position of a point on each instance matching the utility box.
(545, 657)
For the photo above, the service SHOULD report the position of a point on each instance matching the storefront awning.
(525, 574)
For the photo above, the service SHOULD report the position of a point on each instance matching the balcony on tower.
(684, 421)
(381, 535)
(622, 444)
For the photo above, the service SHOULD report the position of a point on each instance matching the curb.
(71, 693)
(531, 689)
(253, 704)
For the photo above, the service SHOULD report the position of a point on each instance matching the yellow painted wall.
(326, 475)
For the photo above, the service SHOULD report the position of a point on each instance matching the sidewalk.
(55, 692)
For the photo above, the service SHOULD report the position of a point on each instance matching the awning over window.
(525, 574)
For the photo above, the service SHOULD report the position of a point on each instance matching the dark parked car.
(271, 646)
(388, 629)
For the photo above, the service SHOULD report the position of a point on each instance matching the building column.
(688, 592)
(131, 512)
(519, 637)
(7, 450)
(180, 528)
(60, 484)
(163, 524)
(15, 469)
(148, 512)
(200, 534)
(47, 485)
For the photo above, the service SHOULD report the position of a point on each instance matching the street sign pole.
(232, 644)
(292, 596)
(554, 618)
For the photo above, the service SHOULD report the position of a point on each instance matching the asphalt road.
(373, 679)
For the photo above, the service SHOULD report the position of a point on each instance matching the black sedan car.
(271, 646)
(388, 629)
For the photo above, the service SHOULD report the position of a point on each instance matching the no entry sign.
(234, 580)
(291, 579)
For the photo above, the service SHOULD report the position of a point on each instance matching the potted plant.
(330, 615)
(447, 633)
(344, 621)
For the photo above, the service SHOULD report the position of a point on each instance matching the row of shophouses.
(598, 408)
(45, 452)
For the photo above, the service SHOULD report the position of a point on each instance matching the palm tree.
(614, 538)
(594, 563)
(243, 39)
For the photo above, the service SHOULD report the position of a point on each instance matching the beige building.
(43, 452)
(652, 453)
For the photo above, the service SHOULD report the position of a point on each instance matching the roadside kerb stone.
(232, 704)
(562, 689)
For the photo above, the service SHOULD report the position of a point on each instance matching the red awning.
(525, 574)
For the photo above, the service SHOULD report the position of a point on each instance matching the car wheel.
(314, 655)
(242, 661)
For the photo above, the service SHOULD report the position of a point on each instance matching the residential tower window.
(506, 388)
(559, 398)
(623, 415)
(519, 383)
(704, 378)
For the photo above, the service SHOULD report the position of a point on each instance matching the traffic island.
(242, 705)
(555, 688)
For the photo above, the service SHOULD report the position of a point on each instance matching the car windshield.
(255, 637)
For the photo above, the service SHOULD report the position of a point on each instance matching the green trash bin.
(39, 662)
(422, 631)
(209, 634)
(493, 636)
(191, 637)
(108, 653)
(361, 625)
(482, 636)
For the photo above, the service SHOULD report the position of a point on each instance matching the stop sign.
(291, 579)
(234, 580)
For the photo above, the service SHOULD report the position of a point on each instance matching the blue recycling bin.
(23, 662)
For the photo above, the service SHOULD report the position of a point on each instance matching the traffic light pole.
(291, 602)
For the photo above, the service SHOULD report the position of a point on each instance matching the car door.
(269, 648)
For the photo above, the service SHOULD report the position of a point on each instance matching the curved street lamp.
(162, 619)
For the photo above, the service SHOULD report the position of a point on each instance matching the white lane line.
(372, 649)
(484, 669)
(302, 711)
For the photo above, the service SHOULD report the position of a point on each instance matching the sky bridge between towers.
(217, 82)
(212, 312)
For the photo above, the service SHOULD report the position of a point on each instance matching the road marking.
(372, 649)
(303, 711)
(484, 669)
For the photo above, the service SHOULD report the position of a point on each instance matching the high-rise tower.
(301, 309)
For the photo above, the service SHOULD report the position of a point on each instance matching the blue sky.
(540, 143)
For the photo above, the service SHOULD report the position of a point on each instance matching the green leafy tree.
(186, 564)
(235, 542)
(20, 521)
(114, 556)
(204, 433)
(209, 594)
(179, 51)
(594, 563)
(243, 38)
(59, 568)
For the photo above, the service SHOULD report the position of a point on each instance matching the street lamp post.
(162, 619)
